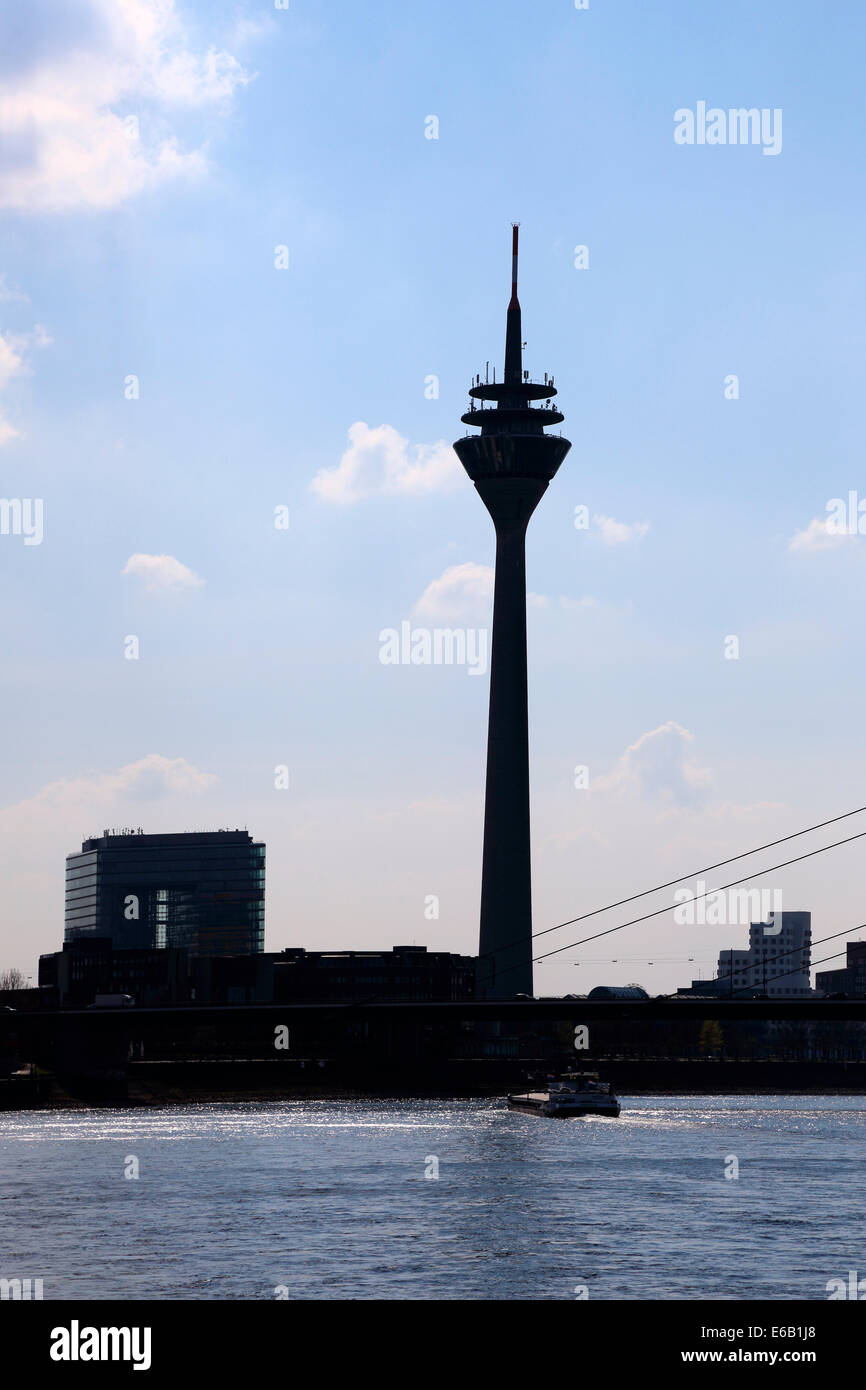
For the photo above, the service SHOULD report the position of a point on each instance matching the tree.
(12, 979)
(711, 1039)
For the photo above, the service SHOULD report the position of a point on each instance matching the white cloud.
(13, 347)
(658, 765)
(7, 431)
(13, 363)
(380, 461)
(149, 777)
(569, 603)
(619, 532)
(162, 573)
(818, 536)
(161, 793)
(8, 293)
(69, 809)
(464, 592)
(246, 30)
(87, 75)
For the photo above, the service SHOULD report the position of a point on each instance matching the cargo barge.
(569, 1096)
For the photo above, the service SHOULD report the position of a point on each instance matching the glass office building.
(203, 892)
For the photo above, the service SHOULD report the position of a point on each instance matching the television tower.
(511, 463)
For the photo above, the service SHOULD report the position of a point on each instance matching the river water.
(332, 1199)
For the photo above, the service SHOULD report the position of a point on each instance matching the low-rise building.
(851, 979)
(407, 974)
(92, 965)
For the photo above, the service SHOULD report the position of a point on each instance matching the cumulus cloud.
(7, 431)
(380, 461)
(659, 765)
(819, 535)
(463, 592)
(150, 777)
(161, 793)
(162, 573)
(84, 108)
(14, 351)
(619, 532)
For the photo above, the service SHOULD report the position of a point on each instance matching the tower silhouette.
(511, 463)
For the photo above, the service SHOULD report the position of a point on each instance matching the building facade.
(92, 965)
(851, 979)
(157, 978)
(406, 974)
(202, 892)
(776, 963)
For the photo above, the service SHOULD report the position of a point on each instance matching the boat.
(572, 1094)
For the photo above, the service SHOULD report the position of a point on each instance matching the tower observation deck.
(511, 463)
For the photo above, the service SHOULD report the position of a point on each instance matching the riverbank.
(146, 1084)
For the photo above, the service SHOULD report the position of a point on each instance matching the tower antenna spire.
(513, 339)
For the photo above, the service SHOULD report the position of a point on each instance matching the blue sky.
(156, 155)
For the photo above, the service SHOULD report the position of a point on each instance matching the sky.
(251, 258)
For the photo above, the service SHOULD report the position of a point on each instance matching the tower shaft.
(505, 965)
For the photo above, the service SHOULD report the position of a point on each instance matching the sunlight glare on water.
(330, 1200)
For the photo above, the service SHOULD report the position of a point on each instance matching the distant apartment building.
(776, 963)
(851, 979)
(201, 892)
